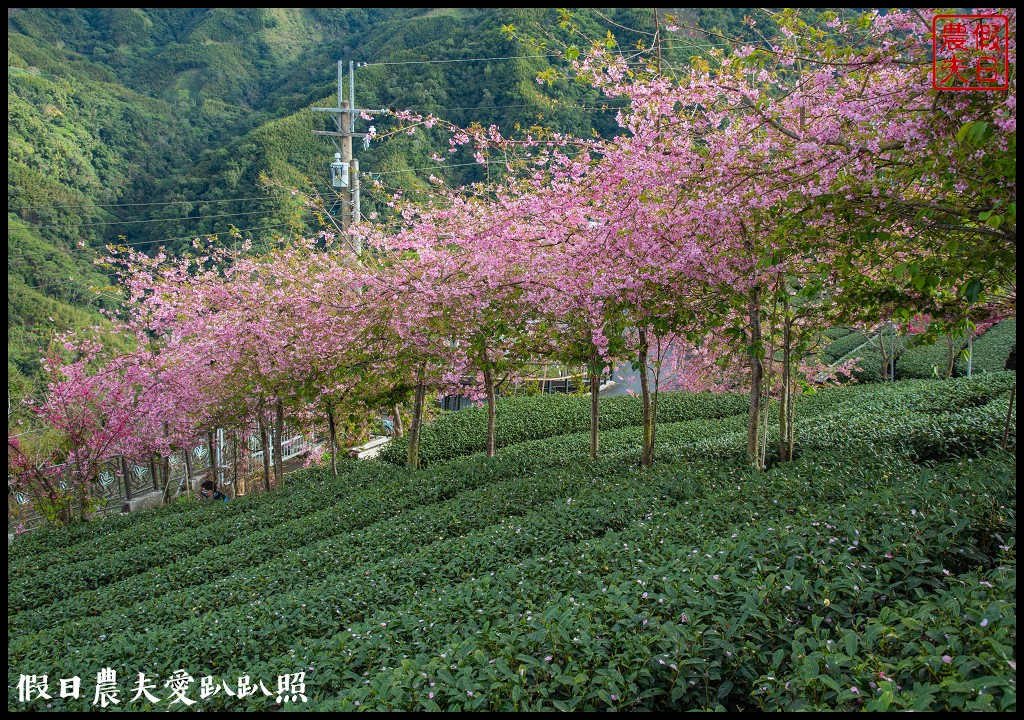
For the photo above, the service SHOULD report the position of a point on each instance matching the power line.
(166, 202)
(487, 59)
(371, 175)
(147, 242)
(174, 219)
(555, 106)
(433, 62)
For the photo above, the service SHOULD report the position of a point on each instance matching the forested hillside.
(152, 127)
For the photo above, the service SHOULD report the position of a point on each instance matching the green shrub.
(837, 332)
(870, 357)
(520, 419)
(992, 349)
(927, 361)
(843, 346)
(539, 580)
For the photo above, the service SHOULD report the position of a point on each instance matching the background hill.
(153, 126)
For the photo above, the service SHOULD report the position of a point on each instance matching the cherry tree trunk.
(334, 441)
(489, 389)
(594, 407)
(265, 444)
(278, 449)
(647, 454)
(212, 446)
(784, 394)
(399, 430)
(756, 373)
(189, 475)
(412, 458)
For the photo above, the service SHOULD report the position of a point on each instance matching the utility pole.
(345, 169)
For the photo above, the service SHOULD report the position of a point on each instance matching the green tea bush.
(911, 395)
(843, 346)
(837, 332)
(852, 578)
(462, 433)
(951, 651)
(870, 357)
(926, 361)
(992, 349)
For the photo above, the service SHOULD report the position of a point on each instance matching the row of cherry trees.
(751, 201)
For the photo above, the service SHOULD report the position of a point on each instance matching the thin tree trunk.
(399, 430)
(792, 417)
(970, 352)
(892, 352)
(234, 462)
(412, 458)
(278, 446)
(211, 445)
(265, 444)
(189, 475)
(784, 395)
(127, 479)
(594, 407)
(762, 458)
(647, 454)
(654, 399)
(1009, 414)
(885, 356)
(489, 389)
(334, 441)
(756, 373)
(950, 357)
(166, 469)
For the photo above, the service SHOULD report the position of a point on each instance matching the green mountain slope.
(153, 126)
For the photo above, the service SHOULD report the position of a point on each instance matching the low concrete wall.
(151, 499)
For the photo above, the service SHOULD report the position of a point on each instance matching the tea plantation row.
(876, 571)
(991, 352)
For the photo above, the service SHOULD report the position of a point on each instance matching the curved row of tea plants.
(541, 580)
(541, 416)
(931, 359)
(902, 414)
(610, 582)
(992, 350)
(921, 361)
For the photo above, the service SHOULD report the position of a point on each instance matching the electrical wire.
(456, 60)
(165, 202)
(487, 59)
(177, 219)
(151, 242)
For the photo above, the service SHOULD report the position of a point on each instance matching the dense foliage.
(153, 126)
(992, 350)
(932, 359)
(520, 419)
(856, 577)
